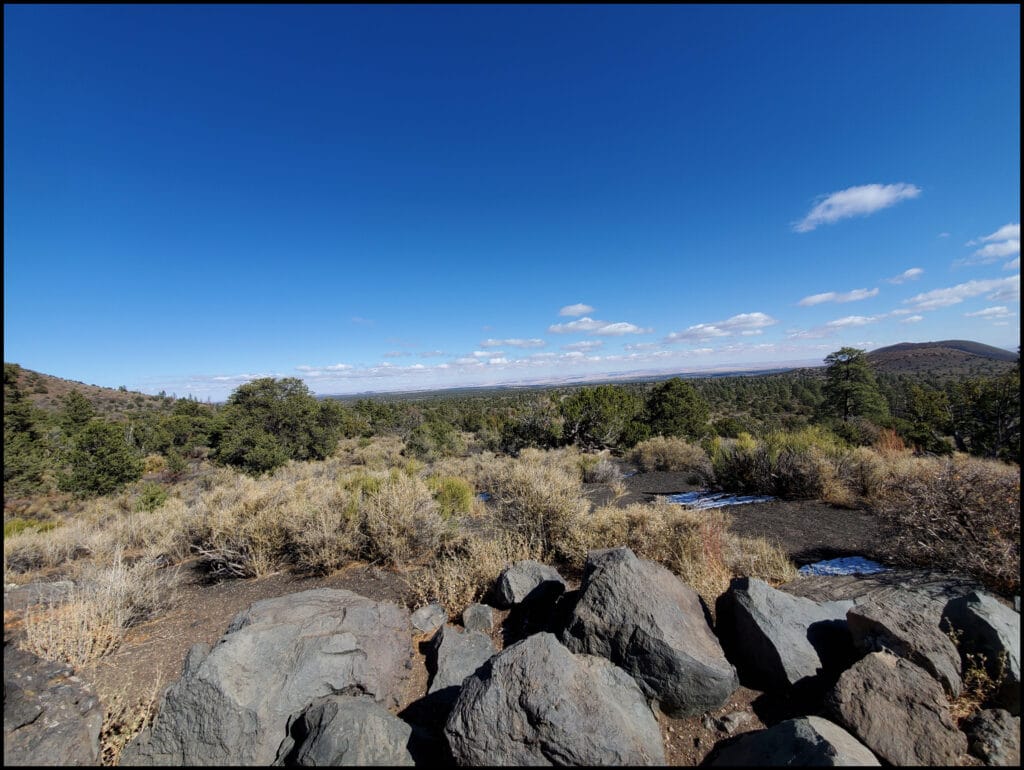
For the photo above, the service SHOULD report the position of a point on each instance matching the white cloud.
(467, 361)
(486, 353)
(911, 319)
(997, 311)
(594, 326)
(737, 324)
(641, 346)
(575, 310)
(943, 235)
(397, 354)
(907, 275)
(432, 353)
(585, 345)
(852, 320)
(499, 360)
(855, 201)
(834, 296)
(331, 368)
(1004, 242)
(1005, 289)
(1013, 264)
(514, 342)
(1004, 233)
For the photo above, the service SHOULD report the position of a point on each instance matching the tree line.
(267, 422)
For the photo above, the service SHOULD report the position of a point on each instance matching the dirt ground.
(152, 654)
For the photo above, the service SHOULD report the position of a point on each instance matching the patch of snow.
(846, 565)
(631, 473)
(706, 499)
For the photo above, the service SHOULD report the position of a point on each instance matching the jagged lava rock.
(778, 640)
(50, 716)
(429, 618)
(644, 619)
(478, 617)
(990, 628)
(898, 711)
(907, 625)
(528, 580)
(232, 703)
(993, 735)
(536, 703)
(456, 654)
(346, 730)
(806, 741)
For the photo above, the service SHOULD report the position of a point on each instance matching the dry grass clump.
(600, 469)
(468, 566)
(400, 522)
(668, 453)
(379, 453)
(793, 465)
(696, 545)
(454, 496)
(538, 496)
(958, 514)
(126, 716)
(90, 621)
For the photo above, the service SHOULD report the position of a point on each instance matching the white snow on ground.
(706, 499)
(846, 565)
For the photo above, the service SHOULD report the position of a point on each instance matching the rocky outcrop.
(429, 618)
(898, 711)
(644, 619)
(807, 741)
(908, 625)
(778, 640)
(538, 704)
(50, 716)
(478, 617)
(454, 655)
(345, 730)
(232, 703)
(988, 627)
(993, 735)
(528, 581)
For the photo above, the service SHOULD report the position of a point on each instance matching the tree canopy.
(850, 386)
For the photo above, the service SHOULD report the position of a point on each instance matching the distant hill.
(946, 358)
(48, 392)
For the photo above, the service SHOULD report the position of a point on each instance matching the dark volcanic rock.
(430, 618)
(644, 619)
(898, 711)
(478, 617)
(528, 581)
(346, 730)
(455, 655)
(232, 703)
(778, 640)
(538, 704)
(990, 628)
(50, 716)
(807, 742)
(993, 736)
(908, 625)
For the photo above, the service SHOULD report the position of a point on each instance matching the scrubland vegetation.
(445, 492)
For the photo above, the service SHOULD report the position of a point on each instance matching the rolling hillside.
(946, 358)
(48, 392)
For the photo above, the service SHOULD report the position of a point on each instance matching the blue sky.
(379, 198)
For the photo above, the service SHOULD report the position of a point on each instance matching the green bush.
(150, 498)
(100, 460)
(453, 495)
(18, 525)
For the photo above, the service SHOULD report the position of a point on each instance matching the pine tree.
(850, 386)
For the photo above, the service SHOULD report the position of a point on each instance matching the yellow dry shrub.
(539, 497)
(90, 621)
(400, 521)
(668, 453)
(467, 567)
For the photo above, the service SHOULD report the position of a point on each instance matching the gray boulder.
(346, 730)
(778, 640)
(430, 618)
(898, 711)
(478, 617)
(18, 598)
(528, 580)
(908, 625)
(457, 654)
(233, 703)
(807, 741)
(51, 717)
(538, 704)
(644, 619)
(990, 628)
(993, 735)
